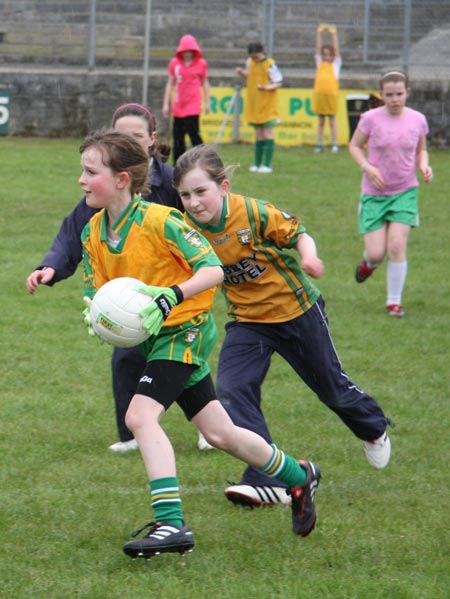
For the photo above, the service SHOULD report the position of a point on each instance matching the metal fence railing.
(97, 33)
(409, 33)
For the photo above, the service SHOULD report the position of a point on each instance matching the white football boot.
(378, 452)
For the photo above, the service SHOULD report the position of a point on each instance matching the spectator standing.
(188, 78)
(326, 85)
(263, 78)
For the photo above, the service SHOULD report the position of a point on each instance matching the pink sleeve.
(364, 123)
(425, 129)
(205, 69)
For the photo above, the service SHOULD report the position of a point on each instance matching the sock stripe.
(276, 462)
(156, 502)
(278, 466)
(169, 495)
(163, 493)
(166, 501)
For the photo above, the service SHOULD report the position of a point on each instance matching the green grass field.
(68, 504)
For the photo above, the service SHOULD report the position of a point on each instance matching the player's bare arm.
(310, 262)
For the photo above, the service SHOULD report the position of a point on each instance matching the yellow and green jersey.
(262, 106)
(263, 281)
(156, 246)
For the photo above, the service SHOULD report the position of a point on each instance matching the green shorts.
(271, 123)
(375, 211)
(191, 343)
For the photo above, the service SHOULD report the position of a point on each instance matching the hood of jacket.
(188, 42)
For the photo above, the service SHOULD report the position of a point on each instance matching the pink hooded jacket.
(188, 78)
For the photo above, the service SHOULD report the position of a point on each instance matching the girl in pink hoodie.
(188, 76)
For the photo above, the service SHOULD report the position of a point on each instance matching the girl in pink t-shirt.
(188, 78)
(395, 137)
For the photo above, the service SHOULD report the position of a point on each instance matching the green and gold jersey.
(262, 106)
(263, 281)
(157, 247)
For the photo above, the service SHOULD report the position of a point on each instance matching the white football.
(115, 312)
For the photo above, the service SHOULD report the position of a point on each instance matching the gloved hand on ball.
(87, 316)
(164, 299)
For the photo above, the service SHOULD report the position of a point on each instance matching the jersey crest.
(194, 239)
(244, 236)
(191, 335)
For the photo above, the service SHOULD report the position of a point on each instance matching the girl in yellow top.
(261, 108)
(179, 269)
(274, 307)
(326, 84)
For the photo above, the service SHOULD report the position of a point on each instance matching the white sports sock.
(396, 276)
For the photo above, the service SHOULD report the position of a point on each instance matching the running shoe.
(303, 509)
(161, 538)
(257, 495)
(378, 452)
(363, 272)
(202, 443)
(395, 310)
(124, 446)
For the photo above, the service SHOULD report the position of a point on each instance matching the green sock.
(259, 150)
(285, 468)
(268, 150)
(166, 500)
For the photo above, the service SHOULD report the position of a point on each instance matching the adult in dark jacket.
(65, 254)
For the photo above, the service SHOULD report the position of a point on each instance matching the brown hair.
(330, 48)
(121, 153)
(255, 48)
(205, 157)
(394, 76)
(135, 110)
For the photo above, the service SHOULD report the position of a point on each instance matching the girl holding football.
(64, 255)
(179, 269)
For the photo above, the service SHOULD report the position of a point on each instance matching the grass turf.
(68, 504)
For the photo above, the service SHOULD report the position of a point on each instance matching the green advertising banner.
(4, 111)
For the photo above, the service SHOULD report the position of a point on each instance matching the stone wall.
(71, 102)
